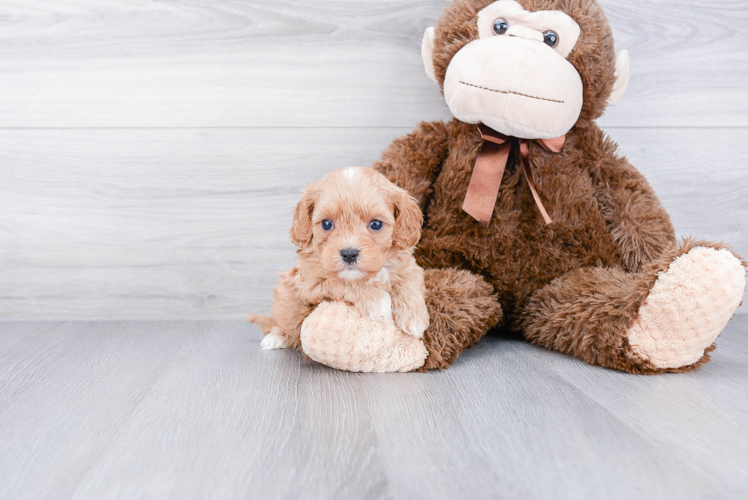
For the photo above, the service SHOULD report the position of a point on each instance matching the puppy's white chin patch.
(351, 274)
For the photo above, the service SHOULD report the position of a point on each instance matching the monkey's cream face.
(515, 77)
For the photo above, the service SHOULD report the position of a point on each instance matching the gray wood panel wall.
(151, 152)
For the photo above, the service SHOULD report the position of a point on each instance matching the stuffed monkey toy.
(533, 221)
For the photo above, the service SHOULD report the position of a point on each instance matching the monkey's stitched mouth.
(511, 92)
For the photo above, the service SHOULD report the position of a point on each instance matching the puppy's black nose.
(349, 255)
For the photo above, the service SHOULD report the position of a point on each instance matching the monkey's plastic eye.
(327, 224)
(376, 225)
(500, 26)
(550, 38)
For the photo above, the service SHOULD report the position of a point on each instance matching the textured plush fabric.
(591, 312)
(462, 307)
(688, 307)
(576, 285)
(337, 335)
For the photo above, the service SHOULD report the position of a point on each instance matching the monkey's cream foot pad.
(337, 335)
(688, 307)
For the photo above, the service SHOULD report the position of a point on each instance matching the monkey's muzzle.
(517, 86)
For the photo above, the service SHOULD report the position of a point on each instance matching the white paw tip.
(417, 331)
(272, 341)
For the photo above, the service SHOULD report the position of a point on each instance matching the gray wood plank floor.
(194, 410)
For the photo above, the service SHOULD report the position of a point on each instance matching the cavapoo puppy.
(356, 232)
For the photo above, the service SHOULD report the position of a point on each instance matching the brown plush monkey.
(605, 281)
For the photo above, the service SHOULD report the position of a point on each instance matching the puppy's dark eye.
(550, 38)
(327, 224)
(376, 225)
(500, 26)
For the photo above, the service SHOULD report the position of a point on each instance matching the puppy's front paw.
(382, 310)
(416, 329)
(413, 321)
(273, 340)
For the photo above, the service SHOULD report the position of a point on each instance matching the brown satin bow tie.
(485, 181)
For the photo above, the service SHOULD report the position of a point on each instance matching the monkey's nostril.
(349, 255)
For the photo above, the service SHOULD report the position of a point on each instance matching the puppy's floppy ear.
(408, 220)
(301, 227)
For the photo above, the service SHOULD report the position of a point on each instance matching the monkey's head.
(531, 69)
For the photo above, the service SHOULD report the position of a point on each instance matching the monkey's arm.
(635, 217)
(413, 162)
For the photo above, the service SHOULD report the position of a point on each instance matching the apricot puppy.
(356, 232)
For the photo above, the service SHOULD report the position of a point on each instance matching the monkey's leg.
(664, 319)
(462, 308)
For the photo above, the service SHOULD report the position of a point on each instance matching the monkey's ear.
(622, 77)
(301, 227)
(427, 52)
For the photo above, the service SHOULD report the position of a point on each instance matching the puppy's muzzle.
(349, 255)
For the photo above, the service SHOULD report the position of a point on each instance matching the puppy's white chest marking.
(383, 276)
(351, 274)
(386, 306)
(384, 311)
